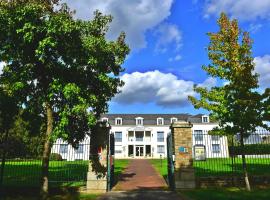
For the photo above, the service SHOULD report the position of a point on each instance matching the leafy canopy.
(53, 59)
(237, 105)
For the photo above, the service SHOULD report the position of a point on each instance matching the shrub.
(56, 157)
(250, 149)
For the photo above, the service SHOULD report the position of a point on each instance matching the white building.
(144, 136)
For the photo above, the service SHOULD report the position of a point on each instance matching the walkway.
(140, 174)
(140, 181)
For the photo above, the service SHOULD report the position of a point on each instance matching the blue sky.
(168, 47)
(168, 40)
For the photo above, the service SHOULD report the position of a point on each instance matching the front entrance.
(139, 151)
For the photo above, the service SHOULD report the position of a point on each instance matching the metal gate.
(170, 158)
(110, 162)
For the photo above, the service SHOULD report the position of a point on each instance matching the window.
(118, 136)
(198, 135)
(160, 149)
(118, 121)
(160, 121)
(139, 121)
(104, 119)
(205, 119)
(215, 137)
(118, 151)
(173, 120)
(160, 136)
(139, 136)
(216, 148)
(63, 148)
(80, 149)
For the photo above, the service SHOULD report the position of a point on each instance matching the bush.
(56, 157)
(250, 149)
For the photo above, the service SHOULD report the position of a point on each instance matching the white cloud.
(1, 67)
(134, 17)
(176, 58)
(253, 28)
(164, 89)
(240, 9)
(263, 69)
(168, 35)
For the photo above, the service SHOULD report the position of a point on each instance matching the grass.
(227, 194)
(119, 167)
(61, 173)
(221, 167)
(161, 166)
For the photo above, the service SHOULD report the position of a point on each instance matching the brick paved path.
(140, 181)
(140, 174)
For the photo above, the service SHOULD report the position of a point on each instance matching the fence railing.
(222, 156)
(68, 167)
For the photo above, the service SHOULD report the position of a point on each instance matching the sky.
(168, 47)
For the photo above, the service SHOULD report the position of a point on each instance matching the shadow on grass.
(11, 193)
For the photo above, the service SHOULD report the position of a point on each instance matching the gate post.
(182, 144)
(97, 176)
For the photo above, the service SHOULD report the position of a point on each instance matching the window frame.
(116, 138)
(162, 121)
(163, 138)
(116, 120)
(158, 148)
(60, 149)
(80, 149)
(197, 134)
(137, 120)
(219, 148)
(174, 118)
(205, 117)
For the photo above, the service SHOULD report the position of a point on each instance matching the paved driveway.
(140, 181)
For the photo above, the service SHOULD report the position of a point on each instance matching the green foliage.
(54, 60)
(24, 137)
(250, 149)
(56, 157)
(237, 105)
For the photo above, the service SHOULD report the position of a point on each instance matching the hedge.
(250, 149)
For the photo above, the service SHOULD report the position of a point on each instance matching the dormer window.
(160, 121)
(205, 119)
(173, 120)
(139, 121)
(118, 121)
(104, 119)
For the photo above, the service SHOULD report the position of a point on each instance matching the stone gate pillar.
(182, 140)
(97, 170)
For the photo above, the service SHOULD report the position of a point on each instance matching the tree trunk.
(46, 152)
(244, 164)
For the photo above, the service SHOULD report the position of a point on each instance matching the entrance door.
(139, 151)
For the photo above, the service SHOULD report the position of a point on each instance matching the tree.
(60, 68)
(237, 105)
(8, 112)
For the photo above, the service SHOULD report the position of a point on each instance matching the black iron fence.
(216, 156)
(68, 166)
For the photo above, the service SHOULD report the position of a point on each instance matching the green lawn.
(223, 166)
(220, 166)
(227, 194)
(61, 173)
(119, 167)
(161, 166)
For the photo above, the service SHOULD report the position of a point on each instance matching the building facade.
(144, 136)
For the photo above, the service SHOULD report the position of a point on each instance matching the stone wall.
(182, 140)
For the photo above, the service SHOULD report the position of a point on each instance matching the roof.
(151, 119)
